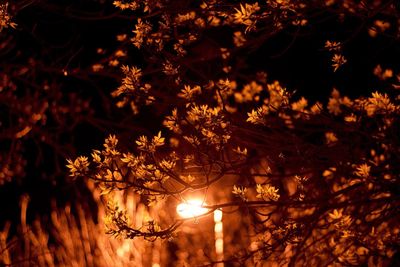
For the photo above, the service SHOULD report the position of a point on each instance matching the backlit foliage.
(312, 184)
(332, 207)
(300, 181)
(5, 18)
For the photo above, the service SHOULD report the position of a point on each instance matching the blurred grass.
(73, 237)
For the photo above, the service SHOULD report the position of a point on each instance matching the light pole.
(219, 237)
(193, 208)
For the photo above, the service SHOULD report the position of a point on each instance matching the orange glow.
(217, 215)
(219, 246)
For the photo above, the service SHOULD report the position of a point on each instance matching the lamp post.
(219, 237)
(193, 208)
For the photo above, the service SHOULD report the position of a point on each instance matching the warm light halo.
(191, 208)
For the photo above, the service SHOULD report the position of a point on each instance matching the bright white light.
(217, 215)
(191, 208)
(218, 227)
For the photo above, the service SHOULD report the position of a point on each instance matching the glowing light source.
(219, 237)
(218, 228)
(219, 248)
(191, 208)
(195, 207)
(217, 215)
